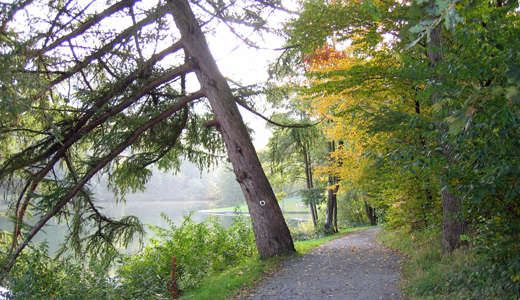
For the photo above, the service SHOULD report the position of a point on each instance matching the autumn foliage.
(324, 56)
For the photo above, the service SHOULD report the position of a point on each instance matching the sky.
(248, 66)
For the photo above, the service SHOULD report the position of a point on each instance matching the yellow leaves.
(333, 64)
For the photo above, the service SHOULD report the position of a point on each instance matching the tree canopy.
(424, 96)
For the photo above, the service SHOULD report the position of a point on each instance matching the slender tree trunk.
(332, 198)
(314, 215)
(336, 216)
(452, 225)
(340, 146)
(310, 185)
(271, 232)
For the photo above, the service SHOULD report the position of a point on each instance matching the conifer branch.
(91, 22)
(103, 50)
(100, 164)
(77, 132)
(274, 122)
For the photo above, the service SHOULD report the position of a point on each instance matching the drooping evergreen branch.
(99, 165)
(66, 144)
(10, 165)
(98, 217)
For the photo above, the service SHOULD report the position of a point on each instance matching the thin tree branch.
(276, 123)
(15, 7)
(91, 22)
(98, 54)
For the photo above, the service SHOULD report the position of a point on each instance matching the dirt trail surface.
(351, 267)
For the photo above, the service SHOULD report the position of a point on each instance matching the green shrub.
(39, 276)
(201, 250)
(464, 274)
(306, 231)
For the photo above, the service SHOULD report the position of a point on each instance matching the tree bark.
(309, 181)
(331, 195)
(271, 232)
(452, 226)
(370, 214)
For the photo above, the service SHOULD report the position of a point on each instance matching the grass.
(233, 280)
(305, 246)
(241, 279)
(430, 275)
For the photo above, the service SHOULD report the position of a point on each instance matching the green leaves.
(513, 73)
(442, 11)
(313, 196)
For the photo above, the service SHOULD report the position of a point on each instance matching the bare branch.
(276, 123)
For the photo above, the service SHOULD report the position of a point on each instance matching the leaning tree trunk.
(452, 225)
(271, 232)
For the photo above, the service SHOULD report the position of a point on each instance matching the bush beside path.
(351, 267)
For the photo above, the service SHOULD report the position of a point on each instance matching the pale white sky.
(248, 66)
(244, 64)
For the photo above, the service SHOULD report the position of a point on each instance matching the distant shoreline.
(230, 212)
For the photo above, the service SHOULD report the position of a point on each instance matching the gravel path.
(351, 267)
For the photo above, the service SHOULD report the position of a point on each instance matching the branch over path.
(351, 267)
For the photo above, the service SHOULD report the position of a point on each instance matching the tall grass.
(430, 275)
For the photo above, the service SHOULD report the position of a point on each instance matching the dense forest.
(403, 114)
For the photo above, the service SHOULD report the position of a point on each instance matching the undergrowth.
(461, 275)
(212, 262)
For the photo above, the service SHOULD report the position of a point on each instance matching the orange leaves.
(324, 55)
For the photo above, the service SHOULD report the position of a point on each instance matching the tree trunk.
(271, 232)
(310, 184)
(332, 198)
(336, 216)
(452, 226)
(314, 215)
(370, 214)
